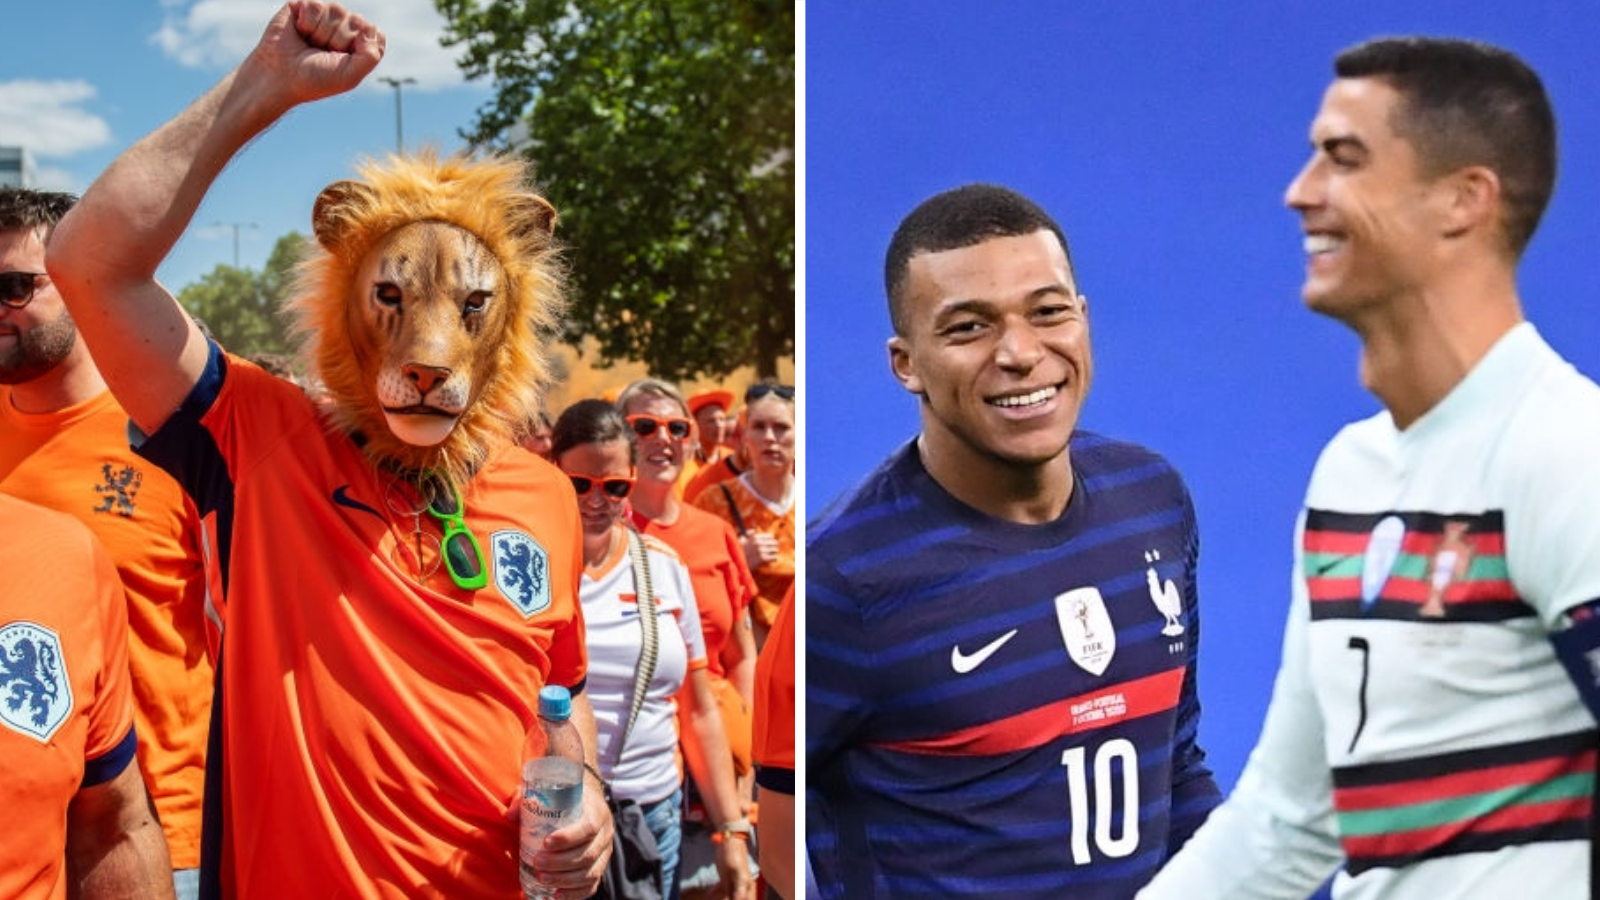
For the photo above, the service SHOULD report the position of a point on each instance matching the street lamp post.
(399, 138)
(236, 226)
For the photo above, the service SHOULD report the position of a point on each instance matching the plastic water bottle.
(552, 782)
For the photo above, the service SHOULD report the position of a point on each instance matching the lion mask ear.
(331, 210)
(535, 213)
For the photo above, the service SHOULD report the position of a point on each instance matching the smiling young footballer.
(1001, 620)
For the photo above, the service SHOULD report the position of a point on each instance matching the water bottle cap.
(555, 703)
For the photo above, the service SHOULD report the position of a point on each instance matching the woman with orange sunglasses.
(594, 445)
(723, 586)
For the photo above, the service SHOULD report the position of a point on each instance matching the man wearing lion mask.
(401, 578)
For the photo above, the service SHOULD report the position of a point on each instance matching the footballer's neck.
(1030, 493)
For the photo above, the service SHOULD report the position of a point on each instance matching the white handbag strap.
(646, 668)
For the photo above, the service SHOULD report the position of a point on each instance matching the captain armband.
(1578, 648)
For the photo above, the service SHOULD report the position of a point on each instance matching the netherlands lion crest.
(35, 695)
(521, 571)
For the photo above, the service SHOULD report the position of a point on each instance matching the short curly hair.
(957, 218)
(24, 208)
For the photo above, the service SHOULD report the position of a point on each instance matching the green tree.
(242, 308)
(664, 132)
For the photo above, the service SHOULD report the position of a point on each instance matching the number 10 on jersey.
(1103, 793)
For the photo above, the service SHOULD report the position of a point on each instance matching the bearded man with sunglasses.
(64, 445)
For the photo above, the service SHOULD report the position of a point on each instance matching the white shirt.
(648, 770)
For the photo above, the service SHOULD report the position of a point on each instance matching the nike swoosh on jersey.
(1327, 567)
(344, 499)
(966, 662)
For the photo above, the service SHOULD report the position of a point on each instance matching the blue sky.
(1162, 137)
(81, 80)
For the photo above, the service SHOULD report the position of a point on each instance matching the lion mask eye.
(387, 293)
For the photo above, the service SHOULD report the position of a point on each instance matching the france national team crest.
(521, 571)
(1086, 628)
(35, 695)
(1164, 595)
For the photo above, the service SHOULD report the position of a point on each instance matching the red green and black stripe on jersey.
(1397, 813)
(1334, 550)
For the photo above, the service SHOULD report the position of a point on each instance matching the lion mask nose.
(426, 378)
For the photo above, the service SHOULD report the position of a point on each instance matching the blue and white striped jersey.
(995, 709)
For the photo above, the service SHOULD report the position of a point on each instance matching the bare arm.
(104, 254)
(705, 749)
(739, 661)
(115, 848)
(739, 657)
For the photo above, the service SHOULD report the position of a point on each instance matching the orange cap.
(707, 398)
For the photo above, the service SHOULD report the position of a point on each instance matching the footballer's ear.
(1471, 200)
(900, 363)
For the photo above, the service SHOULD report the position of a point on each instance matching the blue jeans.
(665, 818)
(187, 883)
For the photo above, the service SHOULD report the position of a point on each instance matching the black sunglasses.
(616, 487)
(757, 391)
(644, 425)
(17, 288)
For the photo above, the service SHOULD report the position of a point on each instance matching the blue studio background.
(1162, 137)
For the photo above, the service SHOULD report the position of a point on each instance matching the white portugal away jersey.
(1422, 731)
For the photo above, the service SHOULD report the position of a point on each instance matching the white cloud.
(216, 34)
(47, 117)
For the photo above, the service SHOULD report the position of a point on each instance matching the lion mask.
(426, 307)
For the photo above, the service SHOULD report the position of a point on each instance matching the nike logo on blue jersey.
(965, 662)
(344, 499)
